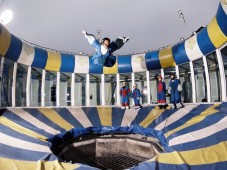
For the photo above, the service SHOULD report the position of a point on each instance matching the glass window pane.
(200, 81)
(35, 87)
(95, 89)
(224, 58)
(167, 73)
(7, 80)
(185, 79)
(110, 89)
(21, 80)
(141, 80)
(50, 88)
(80, 90)
(65, 89)
(214, 75)
(153, 84)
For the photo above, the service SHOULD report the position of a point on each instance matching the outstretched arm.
(91, 39)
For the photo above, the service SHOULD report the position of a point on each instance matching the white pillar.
(222, 75)
(193, 82)
(133, 82)
(207, 78)
(14, 85)
(43, 88)
(28, 87)
(58, 89)
(87, 89)
(73, 89)
(1, 73)
(177, 72)
(148, 88)
(118, 89)
(162, 73)
(103, 89)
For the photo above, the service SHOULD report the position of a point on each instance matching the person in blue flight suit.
(161, 95)
(104, 50)
(125, 95)
(136, 96)
(175, 91)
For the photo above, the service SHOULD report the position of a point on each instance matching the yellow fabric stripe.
(166, 58)
(151, 117)
(8, 164)
(53, 61)
(111, 70)
(5, 40)
(211, 110)
(105, 115)
(216, 35)
(6, 122)
(56, 118)
(213, 154)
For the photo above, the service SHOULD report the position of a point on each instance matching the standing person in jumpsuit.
(136, 96)
(104, 50)
(161, 95)
(174, 91)
(125, 95)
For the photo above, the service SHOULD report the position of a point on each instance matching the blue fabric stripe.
(201, 143)
(222, 19)
(152, 60)
(15, 48)
(10, 132)
(93, 116)
(65, 114)
(38, 115)
(94, 68)
(22, 154)
(67, 63)
(161, 166)
(40, 58)
(179, 53)
(204, 42)
(161, 118)
(142, 114)
(24, 123)
(117, 116)
(194, 112)
(124, 64)
(208, 121)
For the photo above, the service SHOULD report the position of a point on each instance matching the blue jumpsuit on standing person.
(136, 95)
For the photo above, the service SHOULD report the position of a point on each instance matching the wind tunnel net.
(118, 151)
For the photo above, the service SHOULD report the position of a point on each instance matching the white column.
(222, 75)
(1, 73)
(43, 89)
(162, 73)
(14, 85)
(133, 82)
(193, 82)
(207, 78)
(58, 89)
(103, 89)
(118, 89)
(87, 89)
(73, 89)
(148, 88)
(28, 87)
(177, 71)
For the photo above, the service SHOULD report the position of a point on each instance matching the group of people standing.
(174, 91)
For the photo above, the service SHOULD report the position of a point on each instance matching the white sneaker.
(125, 39)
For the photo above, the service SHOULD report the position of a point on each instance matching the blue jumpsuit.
(136, 96)
(125, 94)
(175, 95)
(106, 59)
